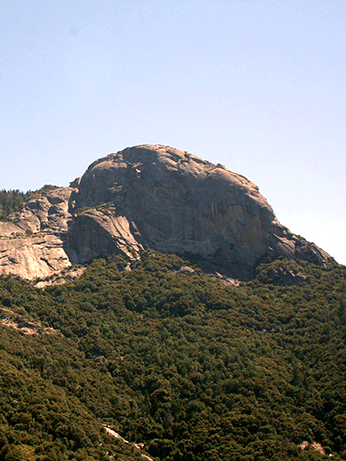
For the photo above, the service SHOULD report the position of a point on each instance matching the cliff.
(150, 196)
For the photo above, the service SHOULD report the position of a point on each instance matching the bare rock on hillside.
(182, 204)
(280, 276)
(35, 256)
(150, 196)
(35, 245)
(9, 229)
(102, 232)
(46, 211)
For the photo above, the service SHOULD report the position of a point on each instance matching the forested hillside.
(185, 363)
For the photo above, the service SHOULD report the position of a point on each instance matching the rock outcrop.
(33, 245)
(150, 196)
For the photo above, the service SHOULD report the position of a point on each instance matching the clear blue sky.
(257, 85)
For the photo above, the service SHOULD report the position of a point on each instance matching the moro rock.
(150, 196)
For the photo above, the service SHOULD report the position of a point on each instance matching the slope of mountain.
(149, 196)
(183, 365)
(144, 355)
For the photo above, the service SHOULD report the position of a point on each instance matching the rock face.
(150, 196)
(35, 245)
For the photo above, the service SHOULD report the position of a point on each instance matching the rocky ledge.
(150, 196)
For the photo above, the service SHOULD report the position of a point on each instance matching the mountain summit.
(149, 196)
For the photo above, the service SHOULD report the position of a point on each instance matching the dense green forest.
(183, 362)
(11, 200)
